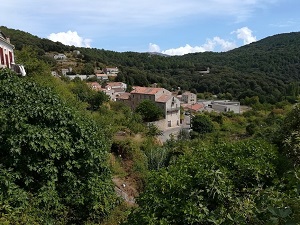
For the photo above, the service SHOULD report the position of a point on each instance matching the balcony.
(173, 109)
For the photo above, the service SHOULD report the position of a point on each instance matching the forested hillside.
(268, 68)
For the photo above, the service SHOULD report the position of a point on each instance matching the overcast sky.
(173, 27)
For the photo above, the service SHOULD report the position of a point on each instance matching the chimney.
(8, 39)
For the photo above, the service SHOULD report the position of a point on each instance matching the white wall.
(8, 50)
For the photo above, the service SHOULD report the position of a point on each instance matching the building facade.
(7, 58)
(111, 70)
(6, 52)
(163, 98)
(226, 106)
(189, 97)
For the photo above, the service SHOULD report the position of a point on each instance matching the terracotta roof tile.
(125, 95)
(164, 98)
(145, 90)
(114, 83)
(197, 107)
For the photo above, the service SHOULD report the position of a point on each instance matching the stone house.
(189, 97)
(170, 105)
(101, 77)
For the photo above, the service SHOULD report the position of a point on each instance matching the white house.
(101, 77)
(119, 87)
(225, 106)
(111, 70)
(60, 56)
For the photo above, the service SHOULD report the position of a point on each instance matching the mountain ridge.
(266, 68)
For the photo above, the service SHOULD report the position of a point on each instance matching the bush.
(202, 124)
(52, 154)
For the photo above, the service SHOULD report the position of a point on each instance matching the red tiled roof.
(145, 90)
(125, 95)
(113, 84)
(164, 98)
(194, 107)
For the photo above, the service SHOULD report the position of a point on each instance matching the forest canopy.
(268, 68)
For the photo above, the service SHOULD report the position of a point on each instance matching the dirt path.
(125, 188)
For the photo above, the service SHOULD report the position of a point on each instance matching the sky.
(173, 27)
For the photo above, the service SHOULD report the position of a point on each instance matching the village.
(169, 102)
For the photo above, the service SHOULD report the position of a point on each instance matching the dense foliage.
(53, 164)
(149, 110)
(202, 124)
(290, 134)
(219, 184)
(86, 94)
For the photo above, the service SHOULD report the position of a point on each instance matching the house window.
(169, 123)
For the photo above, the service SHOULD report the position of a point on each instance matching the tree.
(28, 56)
(227, 183)
(202, 124)
(289, 135)
(88, 68)
(54, 156)
(149, 111)
(86, 94)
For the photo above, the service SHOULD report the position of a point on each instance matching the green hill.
(268, 68)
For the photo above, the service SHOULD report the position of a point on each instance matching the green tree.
(28, 56)
(289, 135)
(220, 184)
(54, 156)
(86, 94)
(149, 110)
(88, 69)
(202, 124)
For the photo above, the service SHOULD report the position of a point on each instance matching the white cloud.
(184, 50)
(154, 48)
(224, 45)
(70, 38)
(210, 45)
(245, 34)
(216, 44)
